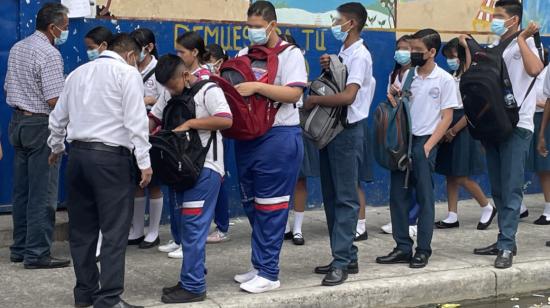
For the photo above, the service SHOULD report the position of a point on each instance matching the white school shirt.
(152, 87)
(520, 82)
(430, 96)
(209, 101)
(539, 88)
(291, 73)
(458, 94)
(546, 90)
(358, 61)
(102, 101)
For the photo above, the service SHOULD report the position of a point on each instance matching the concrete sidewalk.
(453, 274)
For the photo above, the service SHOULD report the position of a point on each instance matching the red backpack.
(254, 115)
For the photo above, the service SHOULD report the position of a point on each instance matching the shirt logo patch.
(434, 93)
(517, 56)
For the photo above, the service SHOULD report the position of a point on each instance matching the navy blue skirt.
(535, 162)
(310, 164)
(463, 156)
(366, 166)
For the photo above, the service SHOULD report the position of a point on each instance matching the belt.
(28, 113)
(98, 146)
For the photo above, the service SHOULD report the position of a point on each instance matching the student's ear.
(433, 53)
(150, 47)
(195, 52)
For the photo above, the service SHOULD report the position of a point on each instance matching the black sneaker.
(171, 289)
(181, 296)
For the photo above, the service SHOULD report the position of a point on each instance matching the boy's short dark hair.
(430, 38)
(264, 9)
(512, 7)
(123, 42)
(356, 11)
(167, 67)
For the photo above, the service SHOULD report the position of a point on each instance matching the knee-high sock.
(155, 212)
(138, 221)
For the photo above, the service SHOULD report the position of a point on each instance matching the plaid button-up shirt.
(35, 74)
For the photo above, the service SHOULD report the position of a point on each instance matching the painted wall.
(17, 21)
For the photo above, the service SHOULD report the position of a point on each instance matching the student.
(402, 58)
(268, 165)
(97, 40)
(541, 144)
(195, 206)
(506, 160)
(431, 110)
(104, 128)
(153, 92)
(221, 216)
(460, 156)
(190, 48)
(535, 162)
(341, 158)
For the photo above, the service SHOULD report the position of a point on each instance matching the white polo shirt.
(520, 82)
(430, 96)
(546, 89)
(539, 88)
(358, 61)
(151, 86)
(209, 101)
(291, 73)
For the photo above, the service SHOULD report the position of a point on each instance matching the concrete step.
(61, 231)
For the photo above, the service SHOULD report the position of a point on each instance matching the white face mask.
(259, 36)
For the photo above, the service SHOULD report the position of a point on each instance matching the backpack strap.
(407, 162)
(148, 75)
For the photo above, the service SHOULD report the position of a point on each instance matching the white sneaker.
(260, 285)
(176, 254)
(169, 247)
(217, 236)
(413, 230)
(246, 277)
(387, 228)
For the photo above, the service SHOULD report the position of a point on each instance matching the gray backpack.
(322, 124)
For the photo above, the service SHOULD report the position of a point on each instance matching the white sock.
(138, 220)
(298, 219)
(98, 248)
(361, 226)
(452, 217)
(546, 210)
(486, 213)
(155, 212)
(287, 228)
(523, 208)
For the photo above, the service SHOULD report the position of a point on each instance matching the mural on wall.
(381, 13)
(538, 11)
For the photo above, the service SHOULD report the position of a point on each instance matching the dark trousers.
(100, 196)
(340, 161)
(34, 187)
(506, 168)
(401, 199)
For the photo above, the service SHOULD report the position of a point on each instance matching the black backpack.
(178, 158)
(487, 94)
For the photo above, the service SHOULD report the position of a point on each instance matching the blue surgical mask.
(453, 64)
(338, 33)
(258, 36)
(498, 26)
(402, 57)
(141, 55)
(62, 37)
(93, 54)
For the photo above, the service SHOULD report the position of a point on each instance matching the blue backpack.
(392, 136)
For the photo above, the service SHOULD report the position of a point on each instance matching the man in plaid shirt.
(33, 83)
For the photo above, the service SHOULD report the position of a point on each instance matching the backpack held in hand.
(392, 138)
(178, 158)
(322, 124)
(490, 105)
(254, 115)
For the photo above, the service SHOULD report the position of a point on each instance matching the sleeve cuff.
(144, 162)
(354, 81)
(297, 84)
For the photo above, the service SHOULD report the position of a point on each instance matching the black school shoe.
(444, 225)
(395, 257)
(548, 244)
(542, 221)
(298, 239)
(289, 236)
(353, 268)
(182, 296)
(419, 260)
(146, 245)
(48, 263)
(334, 277)
(484, 226)
(168, 290)
(491, 250)
(136, 241)
(524, 214)
(504, 259)
(361, 237)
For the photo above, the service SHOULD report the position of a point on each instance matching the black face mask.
(417, 59)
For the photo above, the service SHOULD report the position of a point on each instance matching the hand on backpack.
(392, 100)
(309, 103)
(146, 175)
(462, 40)
(325, 62)
(182, 128)
(541, 147)
(531, 29)
(248, 88)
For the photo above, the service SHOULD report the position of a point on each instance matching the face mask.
(338, 33)
(142, 55)
(62, 37)
(498, 26)
(402, 57)
(454, 64)
(417, 59)
(259, 36)
(93, 54)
